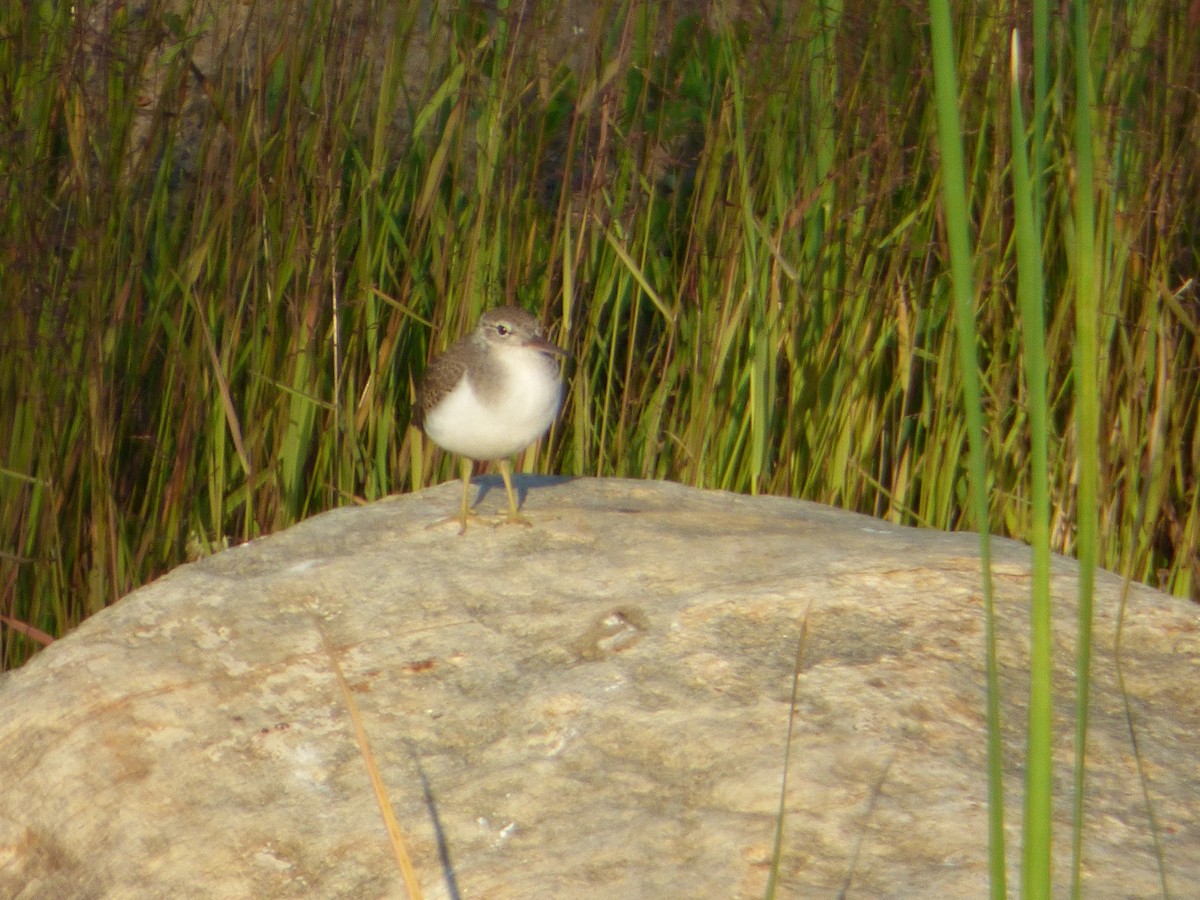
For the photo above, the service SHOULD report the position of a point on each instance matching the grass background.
(231, 239)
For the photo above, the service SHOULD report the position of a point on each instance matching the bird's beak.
(540, 343)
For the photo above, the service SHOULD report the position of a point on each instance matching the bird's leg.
(465, 467)
(514, 515)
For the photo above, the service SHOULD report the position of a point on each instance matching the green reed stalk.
(954, 199)
(1035, 869)
(1086, 362)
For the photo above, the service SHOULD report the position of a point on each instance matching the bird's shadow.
(522, 484)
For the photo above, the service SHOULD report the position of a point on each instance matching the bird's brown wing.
(439, 379)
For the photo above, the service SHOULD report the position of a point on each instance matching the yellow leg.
(465, 512)
(514, 516)
(465, 466)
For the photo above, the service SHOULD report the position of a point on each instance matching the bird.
(490, 395)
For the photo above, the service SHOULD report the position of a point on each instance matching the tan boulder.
(596, 706)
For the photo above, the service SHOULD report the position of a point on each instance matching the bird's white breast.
(507, 420)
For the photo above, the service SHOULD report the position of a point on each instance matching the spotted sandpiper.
(491, 395)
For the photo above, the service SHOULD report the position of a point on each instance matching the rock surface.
(596, 706)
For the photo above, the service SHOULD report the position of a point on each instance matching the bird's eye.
(502, 330)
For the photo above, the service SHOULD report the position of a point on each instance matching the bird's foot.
(460, 521)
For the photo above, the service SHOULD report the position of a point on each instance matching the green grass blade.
(1087, 403)
(954, 199)
(1035, 868)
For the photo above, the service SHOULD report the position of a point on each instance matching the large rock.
(596, 706)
